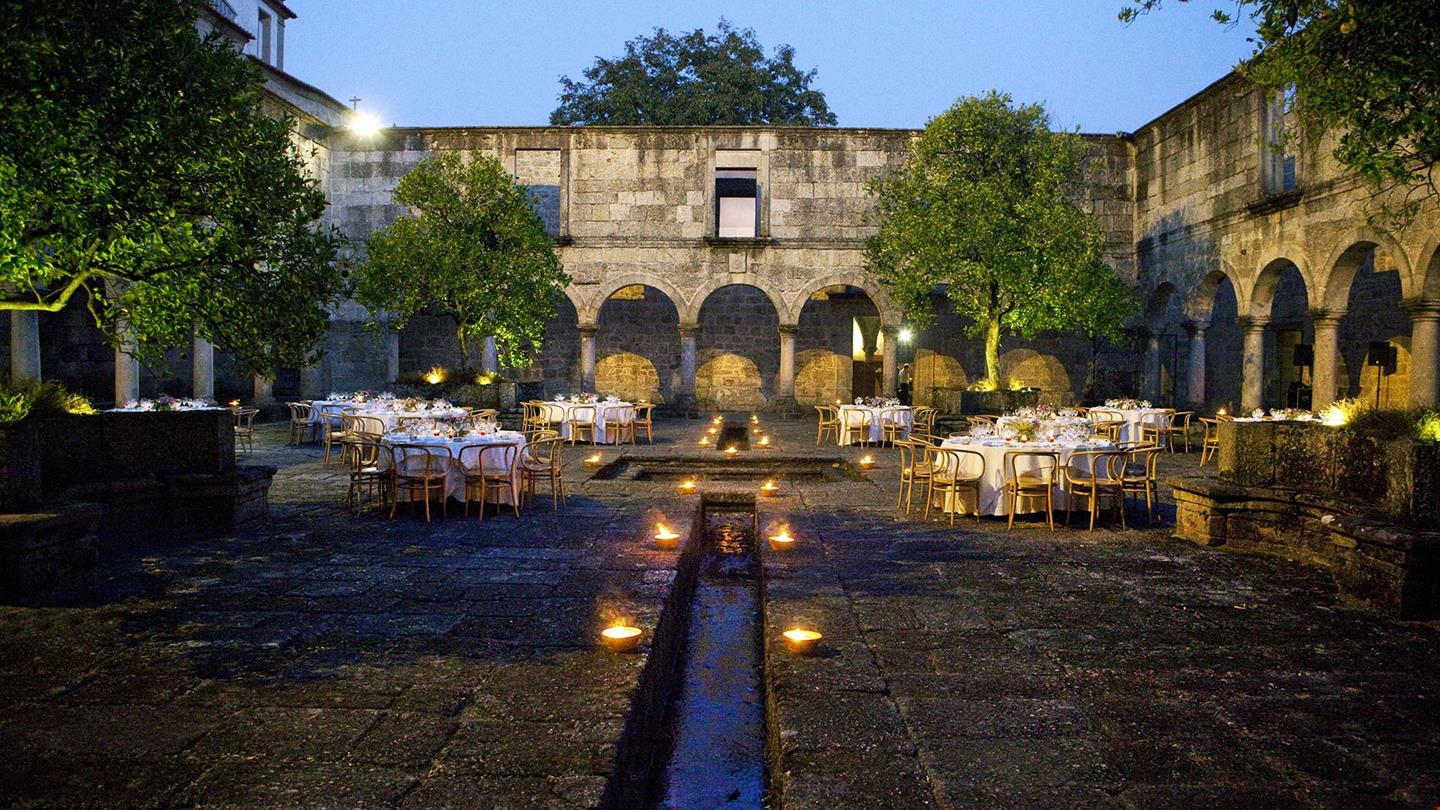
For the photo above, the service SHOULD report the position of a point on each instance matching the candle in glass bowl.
(754, 420)
(712, 431)
(764, 442)
(732, 451)
(665, 538)
(593, 461)
(704, 441)
(866, 462)
(782, 541)
(801, 641)
(717, 420)
(687, 487)
(769, 488)
(234, 403)
(620, 637)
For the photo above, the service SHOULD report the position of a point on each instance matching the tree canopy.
(695, 79)
(475, 250)
(137, 166)
(1367, 70)
(987, 209)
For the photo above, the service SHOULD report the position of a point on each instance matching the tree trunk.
(992, 352)
(464, 350)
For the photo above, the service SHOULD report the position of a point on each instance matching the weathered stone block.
(1247, 452)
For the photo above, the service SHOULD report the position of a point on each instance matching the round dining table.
(902, 415)
(1133, 418)
(322, 409)
(992, 479)
(455, 473)
(561, 413)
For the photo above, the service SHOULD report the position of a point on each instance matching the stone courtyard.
(320, 659)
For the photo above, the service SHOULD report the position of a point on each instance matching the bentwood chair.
(1179, 428)
(980, 421)
(582, 423)
(1107, 424)
(948, 478)
(829, 422)
(1158, 428)
(645, 418)
(924, 420)
(367, 475)
(892, 429)
(1092, 475)
(1038, 482)
(619, 422)
(1138, 476)
(914, 468)
(538, 434)
(529, 416)
(490, 468)
(482, 413)
(856, 425)
(542, 461)
(245, 428)
(1210, 437)
(300, 424)
(419, 470)
(332, 426)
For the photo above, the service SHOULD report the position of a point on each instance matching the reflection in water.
(717, 755)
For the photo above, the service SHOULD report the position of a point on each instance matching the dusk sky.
(881, 64)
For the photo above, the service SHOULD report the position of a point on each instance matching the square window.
(736, 204)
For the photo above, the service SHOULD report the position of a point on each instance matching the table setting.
(1132, 414)
(1063, 435)
(880, 411)
(453, 438)
(384, 406)
(164, 403)
(562, 410)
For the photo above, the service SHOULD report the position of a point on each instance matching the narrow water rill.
(716, 720)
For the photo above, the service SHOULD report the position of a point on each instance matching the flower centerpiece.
(410, 404)
(360, 397)
(584, 398)
(1291, 415)
(1020, 428)
(165, 403)
(1127, 404)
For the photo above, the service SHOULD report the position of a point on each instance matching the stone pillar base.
(686, 406)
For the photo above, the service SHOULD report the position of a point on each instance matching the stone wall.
(637, 348)
(737, 351)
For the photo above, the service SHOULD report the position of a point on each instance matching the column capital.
(1195, 328)
(689, 329)
(1328, 317)
(589, 329)
(789, 328)
(890, 331)
(1252, 322)
(1421, 309)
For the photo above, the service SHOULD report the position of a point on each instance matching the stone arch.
(1350, 253)
(1159, 302)
(1200, 303)
(1267, 278)
(1424, 280)
(612, 285)
(637, 342)
(825, 364)
(696, 301)
(737, 347)
(890, 315)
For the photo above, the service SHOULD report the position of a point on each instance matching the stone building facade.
(1240, 254)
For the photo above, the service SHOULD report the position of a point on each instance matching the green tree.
(987, 209)
(476, 251)
(1367, 70)
(695, 79)
(137, 166)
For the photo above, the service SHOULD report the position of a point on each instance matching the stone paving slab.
(327, 660)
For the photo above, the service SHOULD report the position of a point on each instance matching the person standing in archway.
(903, 389)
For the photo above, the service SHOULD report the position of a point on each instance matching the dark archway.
(737, 350)
(637, 345)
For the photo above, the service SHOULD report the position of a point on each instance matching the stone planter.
(175, 443)
(996, 402)
(20, 465)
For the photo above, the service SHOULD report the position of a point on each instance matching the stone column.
(264, 391)
(127, 377)
(888, 366)
(1152, 368)
(685, 398)
(785, 379)
(312, 380)
(587, 356)
(1252, 385)
(392, 355)
(24, 346)
(1424, 353)
(1195, 366)
(1327, 357)
(490, 356)
(202, 368)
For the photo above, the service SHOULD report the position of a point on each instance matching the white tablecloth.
(1133, 418)
(455, 475)
(902, 415)
(992, 482)
(560, 412)
(321, 409)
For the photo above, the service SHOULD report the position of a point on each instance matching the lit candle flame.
(620, 638)
(802, 641)
(769, 487)
(866, 461)
(688, 486)
(731, 450)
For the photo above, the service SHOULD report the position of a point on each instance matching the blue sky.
(881, 64)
